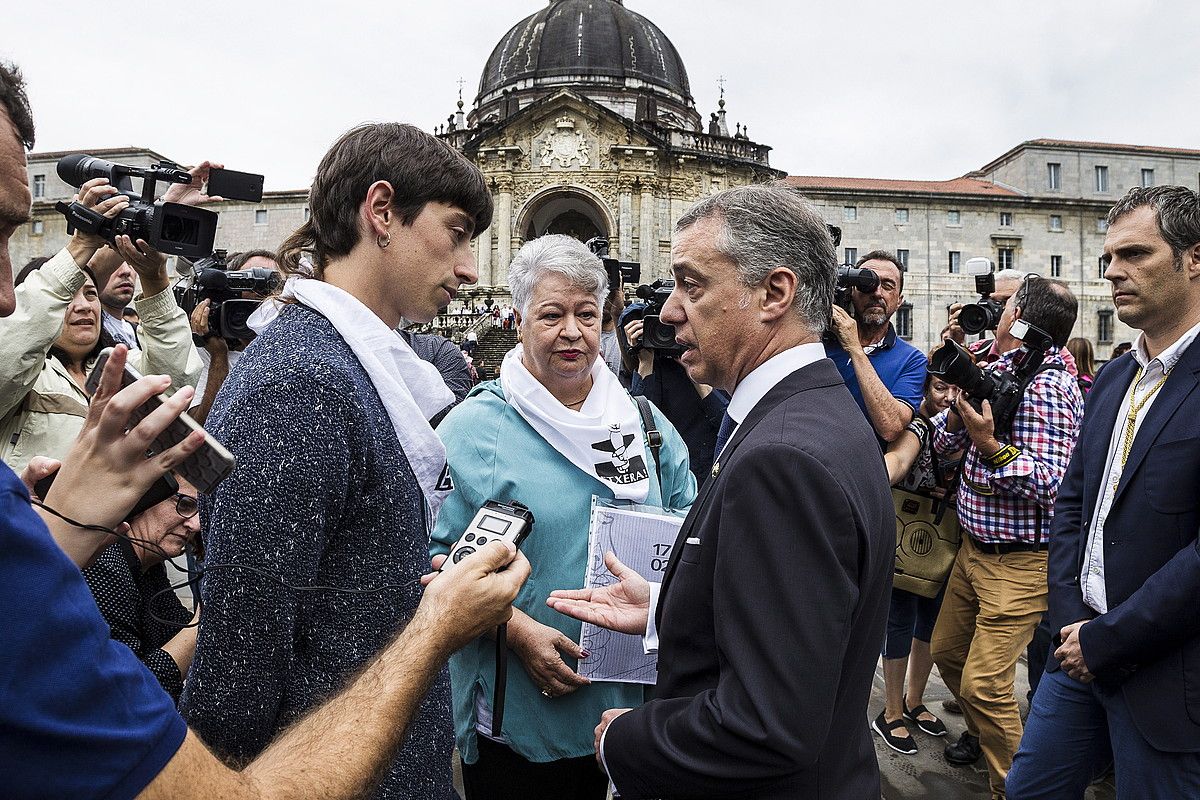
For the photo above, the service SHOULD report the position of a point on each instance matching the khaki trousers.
(992, 605)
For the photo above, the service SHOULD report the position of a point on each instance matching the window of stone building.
(1007, 258)
(307, 213)
(1147, 177)
(260, 216)
(1054, 176)
(851, 255)
(1104, 325)
(1101, 178)
(1056, 222)
(955, 262)
(1005, 219)
(1101, 225)
(1055, 266)
(901, 216)
(850, 213)
(38, 226)
(903, 256)
(39, 186)
(904, 321)
(953, 217)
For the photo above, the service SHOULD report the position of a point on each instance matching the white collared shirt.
(766, 376)
(1091, 576)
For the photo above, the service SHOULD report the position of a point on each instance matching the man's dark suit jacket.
(770, 627)
(1148, 644)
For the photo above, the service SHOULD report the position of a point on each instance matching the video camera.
(228, 310)
(170, 228)
(985, 314)
(629, 272)
(1003, 389)
(656, 334)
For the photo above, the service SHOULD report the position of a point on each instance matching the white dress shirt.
(1091, 577)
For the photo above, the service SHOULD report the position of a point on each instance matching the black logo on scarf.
(621, 467)
(444, 483)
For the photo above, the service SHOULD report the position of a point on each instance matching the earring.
(383, 240)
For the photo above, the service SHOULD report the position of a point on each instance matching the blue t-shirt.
(900, 366)
(80, 716)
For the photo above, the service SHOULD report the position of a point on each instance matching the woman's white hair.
(558, 253)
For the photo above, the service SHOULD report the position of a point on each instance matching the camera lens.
(973, 319)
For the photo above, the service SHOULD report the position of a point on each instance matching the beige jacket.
(41, 407)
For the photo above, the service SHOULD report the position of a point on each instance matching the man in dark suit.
(1124, 566)
(773, 604)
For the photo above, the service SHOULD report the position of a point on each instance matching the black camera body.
(629, 272)
(656, 334)
(170, 228)
(848, 278)
(228, 310)
(985, 314)
(1003, 389)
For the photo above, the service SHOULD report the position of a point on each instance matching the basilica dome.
(584, 44)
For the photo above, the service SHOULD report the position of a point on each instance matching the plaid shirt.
(1014, 503)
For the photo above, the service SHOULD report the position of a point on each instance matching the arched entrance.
(571, 210)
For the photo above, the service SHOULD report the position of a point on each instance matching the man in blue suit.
(1124, 567)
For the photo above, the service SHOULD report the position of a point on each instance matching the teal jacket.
(495, 455)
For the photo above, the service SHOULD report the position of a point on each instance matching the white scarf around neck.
(412, 390)
(603, 438)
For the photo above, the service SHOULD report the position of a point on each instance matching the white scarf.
(603, 438)
(412, 390)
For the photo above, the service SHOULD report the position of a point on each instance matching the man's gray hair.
(769, 226)
(558, 253)
(1176, 212)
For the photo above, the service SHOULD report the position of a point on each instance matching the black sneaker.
(901, 743)
(934, 727)
(965, 751)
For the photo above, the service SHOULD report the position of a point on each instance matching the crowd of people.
(335, 651)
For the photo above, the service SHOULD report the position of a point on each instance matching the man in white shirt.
(773, 603)
(1124, 569)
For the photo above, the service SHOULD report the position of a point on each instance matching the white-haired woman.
(532, 436)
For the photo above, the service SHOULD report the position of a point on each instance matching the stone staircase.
(493, 344)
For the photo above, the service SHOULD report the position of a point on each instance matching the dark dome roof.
(598, 39)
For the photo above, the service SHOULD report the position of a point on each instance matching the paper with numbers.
(642, 538)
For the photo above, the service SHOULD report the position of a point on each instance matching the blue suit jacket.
(1148, 644)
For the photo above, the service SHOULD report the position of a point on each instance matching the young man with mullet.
(339, 472)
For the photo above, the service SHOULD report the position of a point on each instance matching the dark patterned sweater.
(322, 494)
(130, 599)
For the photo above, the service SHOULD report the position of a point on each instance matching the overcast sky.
(870, 89)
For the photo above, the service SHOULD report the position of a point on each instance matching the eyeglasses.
(186, 506)
(1023, 289)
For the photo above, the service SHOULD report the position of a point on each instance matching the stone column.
(504, 231)
(647, 233)
(483, 251)
(624, 248)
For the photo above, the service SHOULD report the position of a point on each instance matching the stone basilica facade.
(584, 123)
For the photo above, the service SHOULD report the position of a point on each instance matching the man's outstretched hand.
(623, 606)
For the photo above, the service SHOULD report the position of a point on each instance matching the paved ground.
(926, 775)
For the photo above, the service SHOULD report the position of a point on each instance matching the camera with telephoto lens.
(848, 277)
(170, 228)
(953, 364)
(228, 310)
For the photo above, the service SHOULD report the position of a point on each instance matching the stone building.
(584, 123)
(1040, 208)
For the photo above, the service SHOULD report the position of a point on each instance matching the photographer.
(884, 373)
(996, 593)
(49, 344)
(217, 353)
(695, 409)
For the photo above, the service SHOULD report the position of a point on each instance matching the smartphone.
(234, 185)
(204, 468)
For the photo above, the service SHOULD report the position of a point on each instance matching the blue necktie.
(723, 434)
